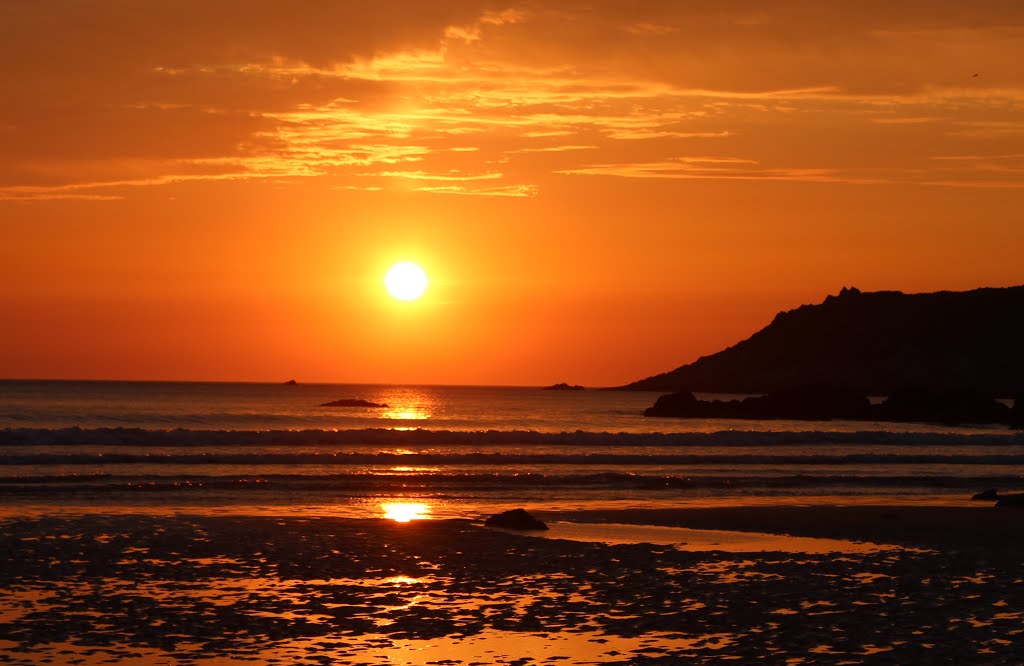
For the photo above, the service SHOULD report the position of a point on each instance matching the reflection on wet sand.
(138, 589)
(690, 539)
(403, 512)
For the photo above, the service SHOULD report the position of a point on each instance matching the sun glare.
(406, 281)
(403, 512)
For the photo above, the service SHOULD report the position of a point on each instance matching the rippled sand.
(251, 590)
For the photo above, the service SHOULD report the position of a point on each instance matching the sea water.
(71, 446)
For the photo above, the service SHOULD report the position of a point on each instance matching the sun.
(406, 281)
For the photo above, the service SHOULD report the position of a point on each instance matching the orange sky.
(599, 191)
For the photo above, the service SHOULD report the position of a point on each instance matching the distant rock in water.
(290, 382)
(875, 343)
(824, 403)
(562, 386)
(813, 403)
(987, 495)
(516, 519)
(353, 402)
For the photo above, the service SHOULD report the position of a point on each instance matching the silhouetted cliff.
(875, 343)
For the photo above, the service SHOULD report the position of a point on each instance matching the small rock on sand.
(516, 519)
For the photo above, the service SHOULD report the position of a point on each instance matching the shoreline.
(955, 525)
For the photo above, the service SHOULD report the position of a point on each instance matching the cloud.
(502, 191)
(55, 196)
(422, 175)
(723, 169)
(338, 91)
(976, 172)
(551, 149)
(474, 31)
(650, 29)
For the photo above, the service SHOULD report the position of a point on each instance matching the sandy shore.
(266, 590)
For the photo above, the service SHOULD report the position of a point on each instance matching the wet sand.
(253, 590)
(946, 527)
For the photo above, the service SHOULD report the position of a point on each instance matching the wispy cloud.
(474, 31)
(650, 29)
(502, 191)
(14, 195)
(506, 79)
(691, 170)
(258, 168)
(423, 175)
(980, 173)
(551, 149)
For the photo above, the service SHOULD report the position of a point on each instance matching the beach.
(137, 589)
(148, 523)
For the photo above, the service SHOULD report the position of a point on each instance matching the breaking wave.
(500, 459)
(382, 483)
(417, 437)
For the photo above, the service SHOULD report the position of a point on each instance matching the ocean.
(71, 447)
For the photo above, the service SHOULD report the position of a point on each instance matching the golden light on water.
(403, 512)
(407, 414)
(408, 404)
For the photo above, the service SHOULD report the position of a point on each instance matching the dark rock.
(987, 495)
(824, 403)
(562, 386)
(874, 342)
(819, 403)
(812, 402)
(516, 519)
(353, 402)
(1016, 500)
(290, 382)
(681, 404)
(938, 406)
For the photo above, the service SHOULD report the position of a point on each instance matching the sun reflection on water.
(403, 512)
(407, 414)
(408, 404)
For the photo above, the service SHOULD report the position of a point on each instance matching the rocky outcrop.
(562, 386)
(681, 404)
(875, 343)
(824, 403)
(352, 402)
(813, 403)
(932, 406)
(516, 519)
